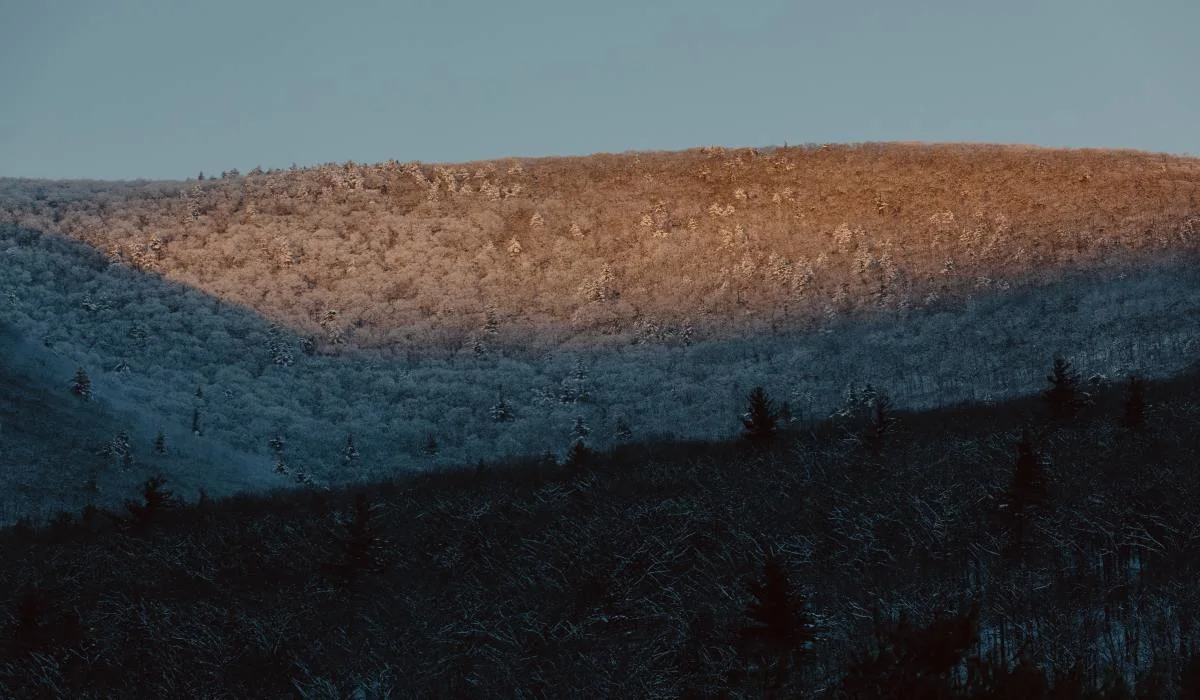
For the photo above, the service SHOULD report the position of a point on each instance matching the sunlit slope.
(644, 245)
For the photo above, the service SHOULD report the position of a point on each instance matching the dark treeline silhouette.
(983, 551)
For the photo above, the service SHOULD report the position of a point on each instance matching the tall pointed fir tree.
(160, 443)
(1064, 396)
(1133, 415)
(579, 453)
(760, 420)
(349, 453)
(82, 386)
(781, 629)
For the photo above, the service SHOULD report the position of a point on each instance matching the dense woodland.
(1044, 547)
(884, 420)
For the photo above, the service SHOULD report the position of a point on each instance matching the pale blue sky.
(119, 89)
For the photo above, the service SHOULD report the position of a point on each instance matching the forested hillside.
(642, 245)
(418, 316)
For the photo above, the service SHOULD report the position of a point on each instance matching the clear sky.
(123, 89)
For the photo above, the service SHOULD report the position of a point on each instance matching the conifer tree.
(781, 630)
(1027, 472)
(579, 454)
(156, 499)
(160, 443)
(501, 411)
(360, 544)
(623, 432)
(1134, 411)
(196, 422)
(431, 446)
(82, 386)
(1064, 395)
(881, 421)
(760, 419)
(349, 452)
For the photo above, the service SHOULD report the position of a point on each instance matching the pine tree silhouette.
(1064, 395)
(1134, 414)
(349, 452)
(911, 662)
(760, 419)
(156, 500)
(360, 545)
(881, 422)
(781, 629)
(579, 454)
(82, 386)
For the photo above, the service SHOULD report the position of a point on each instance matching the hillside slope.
(640, 245)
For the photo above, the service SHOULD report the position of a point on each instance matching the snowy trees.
(349, 453)
(82, 386)
(501, 411)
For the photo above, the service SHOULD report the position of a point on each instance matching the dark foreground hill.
(973, 551)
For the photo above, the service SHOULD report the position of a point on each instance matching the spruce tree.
(881, 421)
(760, 419)
(349, 453)
(501, 411)
(1134, 411)
(1064, 395)
(155, 500)
(623, 432)
(82, 386)
(360, 544)
(781, 630)
(160, 443)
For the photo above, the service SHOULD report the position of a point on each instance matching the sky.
(162, 89)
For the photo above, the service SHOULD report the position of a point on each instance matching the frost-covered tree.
(82, 386)
(349, 452)
(574, 387)
(623, 432)
(501, 411)
(122, 448)
(278, 348)
(491, 324)
(579, 429)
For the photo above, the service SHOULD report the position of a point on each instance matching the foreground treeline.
(1042, 548)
